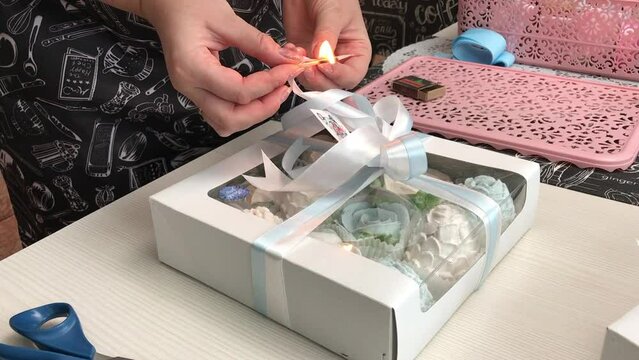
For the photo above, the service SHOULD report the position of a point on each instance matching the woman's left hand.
(308, 23)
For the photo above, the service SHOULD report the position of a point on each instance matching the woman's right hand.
(193, 33)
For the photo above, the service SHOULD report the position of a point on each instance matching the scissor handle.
(8, 352)
(66, 337)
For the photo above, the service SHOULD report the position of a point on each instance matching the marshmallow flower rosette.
(450, 240)
(445, 247)
(287, 203)
(378, 225)
(498, 191)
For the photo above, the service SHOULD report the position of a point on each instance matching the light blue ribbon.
(400, 154)
(411, 154)
(298, 226)
(482, 46)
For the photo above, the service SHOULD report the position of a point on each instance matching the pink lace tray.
(592, 36)
(586, 123)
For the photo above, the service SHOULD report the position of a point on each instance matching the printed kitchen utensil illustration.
(100, 158)
(10, 84)
(63, 129)
(19, 22)
(78, 79)
(133, 147)
(104, 195)
(30, 67)
(128, 61)
(142, 174)
(8, 51)
(86, 102)
(26, 120)
(74, 35)
(56, 155)
(126, 92)
(107, 15)
(65, 184)
(72, 24)
(41, 196)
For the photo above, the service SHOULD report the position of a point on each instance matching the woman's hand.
(193, 33)
(309, 22)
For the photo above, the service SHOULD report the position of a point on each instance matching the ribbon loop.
(404, 158)
(391, 111)
(375, 141)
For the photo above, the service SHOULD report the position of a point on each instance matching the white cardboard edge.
(622, 338)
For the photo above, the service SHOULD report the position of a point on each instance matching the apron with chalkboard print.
(87, 111)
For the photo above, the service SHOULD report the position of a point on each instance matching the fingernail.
(297, 73)
(290, 54)
(309, 72)
(285, 94)
(327, 68)
(289, 46)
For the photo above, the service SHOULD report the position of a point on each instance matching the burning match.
(326, 55)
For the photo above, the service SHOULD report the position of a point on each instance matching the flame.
(326, 52)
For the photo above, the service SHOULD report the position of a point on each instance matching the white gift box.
(622, 338)
(352, 305)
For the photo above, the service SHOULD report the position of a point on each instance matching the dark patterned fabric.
(393, 24)
(87, 112)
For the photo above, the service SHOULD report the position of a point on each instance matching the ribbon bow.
(381, 138)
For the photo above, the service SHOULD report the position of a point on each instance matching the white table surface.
(552, 297)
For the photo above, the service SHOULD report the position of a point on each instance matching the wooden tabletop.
(552, 297)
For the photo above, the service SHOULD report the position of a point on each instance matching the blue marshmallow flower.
(384, 221)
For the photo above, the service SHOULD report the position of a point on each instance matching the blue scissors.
(64, 341)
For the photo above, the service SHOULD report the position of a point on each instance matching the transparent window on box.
(432, 241)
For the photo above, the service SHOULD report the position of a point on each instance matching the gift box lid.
(622, 338)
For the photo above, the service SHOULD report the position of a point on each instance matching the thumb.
(257, 44)
(328, 25)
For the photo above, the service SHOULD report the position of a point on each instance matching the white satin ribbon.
(381, 138)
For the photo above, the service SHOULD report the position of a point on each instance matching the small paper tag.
(332, 124)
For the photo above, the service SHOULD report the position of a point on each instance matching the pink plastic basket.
(591, 36)
(589, 124)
